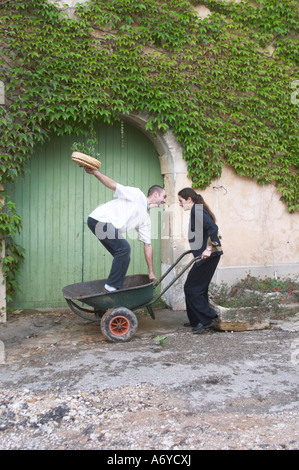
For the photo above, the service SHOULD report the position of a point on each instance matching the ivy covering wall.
(212, 82)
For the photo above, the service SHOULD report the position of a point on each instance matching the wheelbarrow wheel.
(119, 325)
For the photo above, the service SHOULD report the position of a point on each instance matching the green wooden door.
(54, 200)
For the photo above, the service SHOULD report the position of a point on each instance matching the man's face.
(160, 198)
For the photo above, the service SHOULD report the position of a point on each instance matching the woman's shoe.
(200, 328)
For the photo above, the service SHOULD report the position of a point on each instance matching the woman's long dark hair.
(196, 198)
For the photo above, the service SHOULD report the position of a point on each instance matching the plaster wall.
(258, 234)
(68, 6)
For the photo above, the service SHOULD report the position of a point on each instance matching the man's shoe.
(200, 328)
(109, 288)
(187, 324)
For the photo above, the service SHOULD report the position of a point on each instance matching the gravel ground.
(64, 387)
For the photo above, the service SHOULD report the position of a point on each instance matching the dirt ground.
(63, 386)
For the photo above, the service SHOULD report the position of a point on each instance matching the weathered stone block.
(242, 318)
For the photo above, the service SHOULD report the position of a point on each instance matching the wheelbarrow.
(115, 310)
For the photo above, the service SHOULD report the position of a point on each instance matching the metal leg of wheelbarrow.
(78, 311)
(150, 311)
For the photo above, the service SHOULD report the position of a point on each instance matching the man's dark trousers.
(117, 245)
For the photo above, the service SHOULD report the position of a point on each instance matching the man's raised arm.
(105, 180)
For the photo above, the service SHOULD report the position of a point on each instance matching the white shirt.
(128, 212)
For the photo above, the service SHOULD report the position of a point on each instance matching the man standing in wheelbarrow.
(128, 211)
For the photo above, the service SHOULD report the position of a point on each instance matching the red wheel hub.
(119, 325)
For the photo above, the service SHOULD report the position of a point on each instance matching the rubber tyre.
(119, 325)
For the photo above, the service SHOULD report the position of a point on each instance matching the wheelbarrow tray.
(136, 292)
(115, 309)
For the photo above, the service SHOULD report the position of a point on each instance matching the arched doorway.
(54, 200)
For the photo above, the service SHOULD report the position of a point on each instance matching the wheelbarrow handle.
(171, 268)
(197, 258)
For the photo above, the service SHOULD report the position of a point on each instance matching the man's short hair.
(153, 189)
